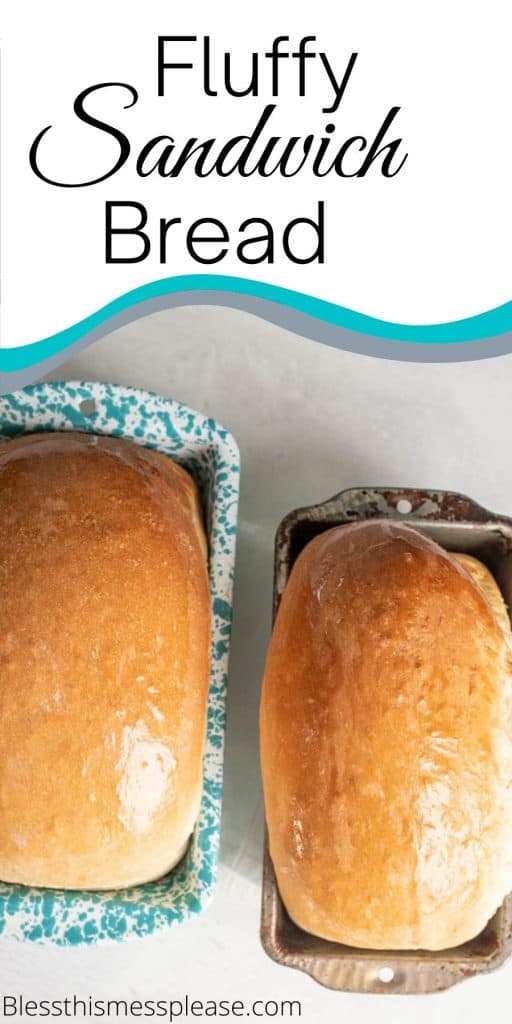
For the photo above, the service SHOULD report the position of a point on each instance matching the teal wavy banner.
(490, 324)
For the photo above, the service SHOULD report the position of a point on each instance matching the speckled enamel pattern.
(211, 455)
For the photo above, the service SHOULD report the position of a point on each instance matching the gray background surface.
(309, 421)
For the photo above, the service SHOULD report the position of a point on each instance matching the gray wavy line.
(292, 320)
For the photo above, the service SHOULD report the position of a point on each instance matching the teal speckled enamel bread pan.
(211, 456)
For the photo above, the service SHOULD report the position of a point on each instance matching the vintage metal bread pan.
(458, 524)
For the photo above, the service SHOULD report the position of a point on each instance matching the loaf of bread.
(104, 661)
(386, 741)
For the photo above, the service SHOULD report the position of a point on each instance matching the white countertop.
(309, 421)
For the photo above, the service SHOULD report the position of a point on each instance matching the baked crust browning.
(104, 661)
(386, 741)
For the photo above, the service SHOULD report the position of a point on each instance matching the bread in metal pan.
(104, 661)
(386, 741)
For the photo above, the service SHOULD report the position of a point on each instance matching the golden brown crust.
(386, 742)
(104, 656)
(487, 584)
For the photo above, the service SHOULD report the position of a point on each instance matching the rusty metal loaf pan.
(458, 524)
